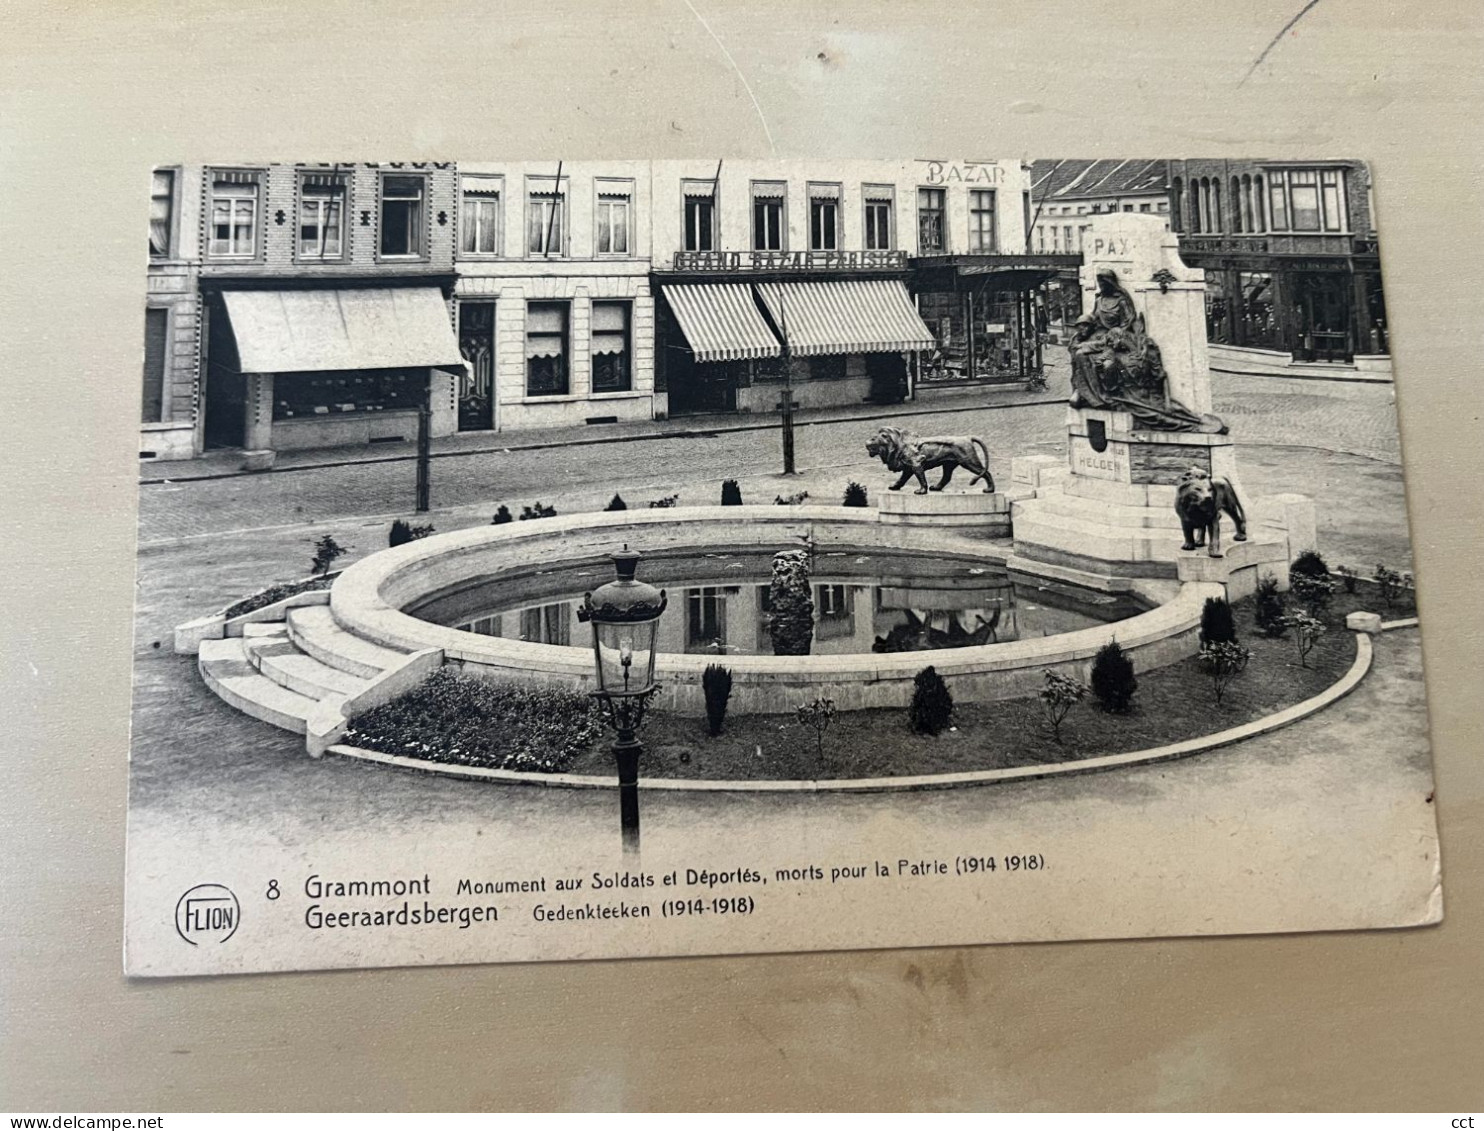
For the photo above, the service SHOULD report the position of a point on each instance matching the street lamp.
(625, 615)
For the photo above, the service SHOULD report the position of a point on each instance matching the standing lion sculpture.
(914, 456)
(1199, 501)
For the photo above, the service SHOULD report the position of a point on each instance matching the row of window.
(1288, 200)
(234, 217)
(1097, 207)
(878, 204)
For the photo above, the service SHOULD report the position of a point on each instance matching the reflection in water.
(863, 602)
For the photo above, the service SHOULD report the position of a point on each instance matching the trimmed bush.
(855, 495)
(1217, 625)
(1309, 564)
(327, 552)
(731, 494)
(932, 702)
(1113, 680)
(716, 682)
(457, 719)
(403, 532)
(791, 603)
(616, 504)
(502, 516)
(1270, 608)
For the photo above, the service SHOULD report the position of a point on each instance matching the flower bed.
(265, 597)
(1172, 704)
(462, 721)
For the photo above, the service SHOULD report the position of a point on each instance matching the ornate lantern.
(625, 615)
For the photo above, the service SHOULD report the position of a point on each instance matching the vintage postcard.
(588, 559)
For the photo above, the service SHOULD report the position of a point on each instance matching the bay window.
(1307, 200)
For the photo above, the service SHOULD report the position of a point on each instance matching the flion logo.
(208, 913)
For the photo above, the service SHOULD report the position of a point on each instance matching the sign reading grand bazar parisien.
(999, 578)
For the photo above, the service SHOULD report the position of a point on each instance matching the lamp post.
(625, 615)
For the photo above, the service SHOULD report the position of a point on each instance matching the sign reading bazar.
(961, 172)
(790, 260)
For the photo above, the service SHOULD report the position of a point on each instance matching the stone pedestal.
(978, 512)
(1110, 512)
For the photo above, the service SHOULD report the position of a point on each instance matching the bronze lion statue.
(1199, 501)
(914, 456)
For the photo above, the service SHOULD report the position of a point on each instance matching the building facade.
(296, 306)
(1290, 255)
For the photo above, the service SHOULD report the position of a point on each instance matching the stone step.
(227, 670)
(265, 629)
(313, 629)
(280, 659)
(1113, 514)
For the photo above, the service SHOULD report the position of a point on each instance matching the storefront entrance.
(1321, 306)
(477, 384)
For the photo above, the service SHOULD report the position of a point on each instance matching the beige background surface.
(92, 94)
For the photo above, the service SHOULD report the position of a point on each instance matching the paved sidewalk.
(226, 463)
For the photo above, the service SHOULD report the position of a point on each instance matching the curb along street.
(578, 437)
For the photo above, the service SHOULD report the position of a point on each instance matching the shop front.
(295, 369)
(987, 315)
(848, 336)
(1316, 308)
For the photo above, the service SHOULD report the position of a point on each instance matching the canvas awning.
(362, 328)
(722, 322)
(847, 316)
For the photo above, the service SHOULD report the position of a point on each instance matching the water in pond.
(864, 601)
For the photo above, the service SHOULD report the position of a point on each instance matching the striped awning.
(722, 322)
(847, 316)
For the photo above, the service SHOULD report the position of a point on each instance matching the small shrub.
(1270, 608)
(664, 503)
(1217, 625)
(1348, 577)
(1058, 697)
(932, 702)
(1313, 593)
(855, 495)
(818, 716)
(716, 682)
(1307, 629)
(1391, 583)
(1035, 382)
(1223, 661)
(540, 510)
(1309, 564)
(731, 494)
(794, 500)
(1113, 680)
(457, 719)
(327, 552)
(616, 504)
(791, 597)
(502, 516)
(265, 597)
(403, 532)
